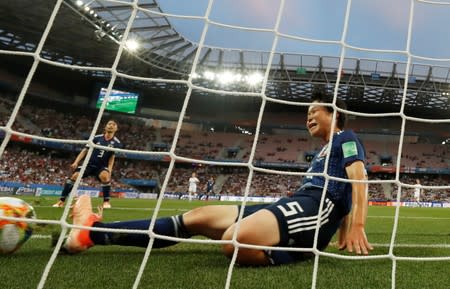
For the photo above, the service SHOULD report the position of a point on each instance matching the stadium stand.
(28, 164)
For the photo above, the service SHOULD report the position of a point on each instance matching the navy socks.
(171, 226)
(66, 190)
(106, 189)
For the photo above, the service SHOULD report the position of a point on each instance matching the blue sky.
(380, 24)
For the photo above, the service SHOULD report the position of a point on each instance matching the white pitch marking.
(40, 236)
(406, 217)
(446, 246)
(129, 209)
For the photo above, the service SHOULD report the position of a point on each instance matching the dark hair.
(113, 120)
(319, 96)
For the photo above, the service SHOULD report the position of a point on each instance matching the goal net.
(222, 88)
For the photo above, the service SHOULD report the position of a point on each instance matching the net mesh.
(262, 95)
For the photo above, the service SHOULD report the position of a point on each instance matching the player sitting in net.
(289, 222)
(100, 164)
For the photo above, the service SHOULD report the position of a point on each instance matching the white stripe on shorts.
(298, 224)
(329, 207)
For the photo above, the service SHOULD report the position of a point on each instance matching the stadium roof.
(88, 34)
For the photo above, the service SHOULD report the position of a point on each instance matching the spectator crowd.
(40, 165)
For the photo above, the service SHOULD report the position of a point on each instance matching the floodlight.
(132, 44)
(254, 78)
(225, 77)
(209, 75)
(195, 75)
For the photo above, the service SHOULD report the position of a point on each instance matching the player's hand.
(356, 240)
(74, 166)
(342, 240)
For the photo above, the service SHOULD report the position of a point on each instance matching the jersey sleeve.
(122, 145)
(118, 144)
(352, 149)
(94, 140)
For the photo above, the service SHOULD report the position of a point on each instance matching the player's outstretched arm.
(355, 237)
(80, 156)
(111, 163)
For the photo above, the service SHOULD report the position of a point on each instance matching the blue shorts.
(297, 219)
(92, 171)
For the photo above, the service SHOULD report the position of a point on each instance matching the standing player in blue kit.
(100, 164)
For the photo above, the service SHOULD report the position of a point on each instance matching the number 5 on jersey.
(292, 209)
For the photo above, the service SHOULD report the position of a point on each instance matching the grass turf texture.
(196, 266)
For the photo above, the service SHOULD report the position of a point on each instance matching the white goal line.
(409, 217)
(132, 209)
(185, 210)
(439, 246)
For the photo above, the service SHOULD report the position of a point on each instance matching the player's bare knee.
(104, 177)
(248, 257)
(228, 250)
(245, 256)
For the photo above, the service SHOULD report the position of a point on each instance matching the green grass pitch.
(187, 265)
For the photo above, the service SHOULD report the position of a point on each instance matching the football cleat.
(106, 205)
(78, 240)
(59, 204)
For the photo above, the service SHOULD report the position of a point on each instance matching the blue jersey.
(345, 149)
(209, 186)
(100, 157)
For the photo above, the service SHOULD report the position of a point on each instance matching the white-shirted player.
(417, 192)
(193, 181)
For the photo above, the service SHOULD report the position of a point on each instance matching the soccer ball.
(14, 233)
